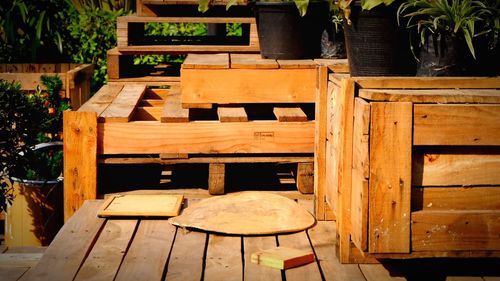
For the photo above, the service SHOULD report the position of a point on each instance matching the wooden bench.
(413, 166)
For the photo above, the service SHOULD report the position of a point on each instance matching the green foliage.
(94, 31)
(33, 30)
(345, 6)
(110, 5)
(19, 118)
(459, 18)
(302, 5)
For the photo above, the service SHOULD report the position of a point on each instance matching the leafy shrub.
(34, 31)
(95, 32)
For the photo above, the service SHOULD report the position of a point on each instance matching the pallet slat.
(232, 114)
(252, 61)
(173, 111)
(289, 114)
(123, 106)
(223, 261)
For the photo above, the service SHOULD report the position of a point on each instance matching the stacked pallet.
(133, 40)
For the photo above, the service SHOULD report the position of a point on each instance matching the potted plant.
(451, 32)
(33, 175)
(288, 29)
(375, 45)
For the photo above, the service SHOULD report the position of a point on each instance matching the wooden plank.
(19, 259)
(377, 272)
(255, 272)
(148, 113)
(205, 137)
(390, 177)
(226, 86)
(179, 158)
(142, 206)
(135, 18)
(432, 96)
(289, 114)
(359, 210)
(456, 124)
(172, 109)
(305, 178)
(80, 159)
(429, 82)
(455, 198)
(223, 261)
(282, 257)
(335, 65)
(232, 114)
(68, 250)
(341, 156)
(323, 240)
(148, 253)
(101, 100)
(123, 106)
(106, 255)
(252, 47)
(294, 64)
(310, 271)
(183, 266)
(216, 178)
(9, 273)
(320, 143)
(252, 61)
(213, 61)
(455, 230)
(465, 167)
(360, 174)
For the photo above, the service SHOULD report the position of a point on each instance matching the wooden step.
(132, 40)
(246, 78)
(164, 7)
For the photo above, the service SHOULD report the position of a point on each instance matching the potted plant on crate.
(455, 36)
(288, 29)
(32, 172)
(375, 45)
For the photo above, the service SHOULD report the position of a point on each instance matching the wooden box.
(413, 166)
(75, 77)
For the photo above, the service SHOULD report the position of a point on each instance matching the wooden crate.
(164, 7)
(133, 119)
(132, 40)
(75, 77)
(413, 166)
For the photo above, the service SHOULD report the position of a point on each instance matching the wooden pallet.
(134, 119)
(75, 77)
(164, 7)
(436, 140)
(132, 40)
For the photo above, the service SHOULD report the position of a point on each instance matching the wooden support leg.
(320, 144)
(305, 178)
(80, 159)
(216, 174)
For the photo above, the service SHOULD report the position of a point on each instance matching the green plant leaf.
(203, 5)
(302, 6)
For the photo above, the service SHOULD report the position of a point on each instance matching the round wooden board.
(246, 213)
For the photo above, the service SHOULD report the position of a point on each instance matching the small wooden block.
(216, 177)
(290, 114)
(212, 61)
(232, 114)
(283, 257)
(141, 205)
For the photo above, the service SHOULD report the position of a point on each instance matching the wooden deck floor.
(91, 248)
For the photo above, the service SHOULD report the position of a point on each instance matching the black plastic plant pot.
(376, 45)
(284, 34)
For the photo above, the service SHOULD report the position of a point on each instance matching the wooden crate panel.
(142, 137)
(455, 230)
(456, 125)
(432, 96)
(455, 198)
(456, 167)
(390, 177)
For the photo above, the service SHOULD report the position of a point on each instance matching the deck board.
(183, 267)
(223, 261)
(148, 253)
(70, 246)
(106, 255)
(323, 240)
